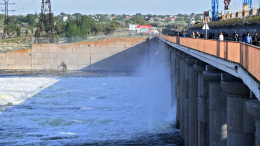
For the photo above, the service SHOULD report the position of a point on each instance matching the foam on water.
(83, 110)
(62, 110)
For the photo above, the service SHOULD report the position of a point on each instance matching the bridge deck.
(239, 59)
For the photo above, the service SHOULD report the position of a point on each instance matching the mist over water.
(106, 109)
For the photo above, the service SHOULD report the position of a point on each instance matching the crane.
(247, 4)
(215, 10)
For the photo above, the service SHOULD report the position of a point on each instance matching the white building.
(65, 18)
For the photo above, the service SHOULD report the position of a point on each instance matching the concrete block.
(83, 61)
(203, 134)
(84, 67)
(72, 67)
(240, 139)
(58, 61)
(26, 67)
(98, 57)
(56, 50)
(14, 67)
(23, 61)
(84, 56)
(100, 50)
(37, 67)
(248, 121)
(82, 50)
(220, 100)
(118, 49)
(40, 49)
(235, 114)
(94, 67)
(71, 62)
(193, 137)
(177, 91)
(48, 67)
(46, 55)
(72, 55)
(109, 50)
(218, 126)
(202, 109)
(9, 61)
(4, 66)
(37, 55)
(118, 56)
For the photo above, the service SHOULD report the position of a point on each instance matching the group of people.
(246, 38)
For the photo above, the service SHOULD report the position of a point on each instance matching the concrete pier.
(217, 107)
(253, 108)
(177, 79)
(193, 102)
(186, 94)
(240, 124)
(203, 105)
(182, 94)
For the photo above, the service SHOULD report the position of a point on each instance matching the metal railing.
(246, 55)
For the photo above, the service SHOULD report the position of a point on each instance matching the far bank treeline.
(78, 27)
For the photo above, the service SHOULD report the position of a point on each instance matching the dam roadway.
(214, 84)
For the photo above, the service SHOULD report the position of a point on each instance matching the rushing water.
(81, 108)
(118, 109)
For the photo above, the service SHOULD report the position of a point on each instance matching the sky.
(158, 7)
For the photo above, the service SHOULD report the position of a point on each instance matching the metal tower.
(45, 10)
(6, 27)
(215, 4)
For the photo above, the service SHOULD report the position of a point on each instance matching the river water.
(86, 108)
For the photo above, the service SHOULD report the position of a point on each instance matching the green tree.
(102, 18)
(84, 26)
(12, 27)
(30, 19)
(71, 29)
(18, 31)
(31, 28)
(139, 20)
(26, 32)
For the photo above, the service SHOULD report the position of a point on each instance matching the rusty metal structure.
(45, 11)
(6, 27)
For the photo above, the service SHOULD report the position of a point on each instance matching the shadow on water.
(28, 105)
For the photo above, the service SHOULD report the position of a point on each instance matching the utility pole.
(6, 27)
(45, 11)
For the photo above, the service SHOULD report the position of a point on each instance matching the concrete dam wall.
(123, 54)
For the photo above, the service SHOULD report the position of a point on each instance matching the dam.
(105, 96)
(162, 90)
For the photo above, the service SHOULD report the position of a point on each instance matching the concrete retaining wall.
(109, 54)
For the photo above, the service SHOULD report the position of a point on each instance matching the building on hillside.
(192, 20)
(172, 19)
(65, 18)
(151, 19)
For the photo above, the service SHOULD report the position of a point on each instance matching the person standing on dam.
(248, 39)
(221, 37)
(256, 39)
(210, 36)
